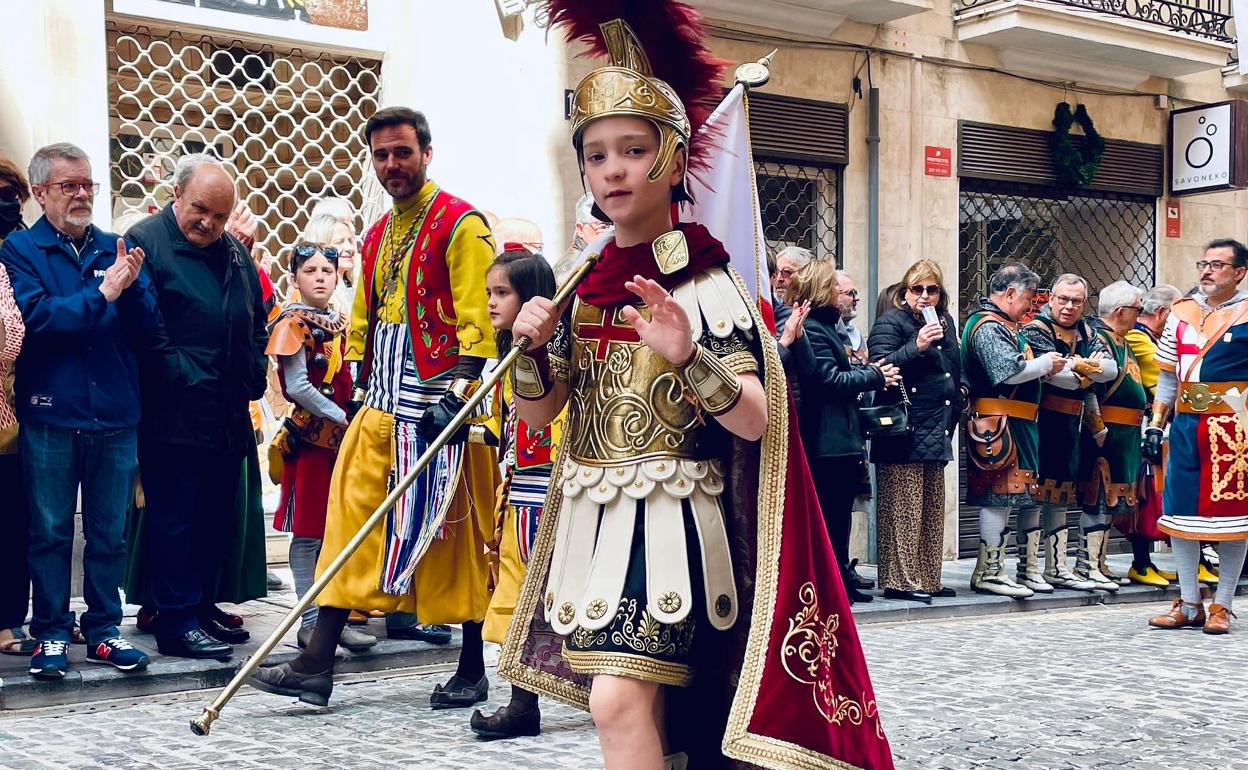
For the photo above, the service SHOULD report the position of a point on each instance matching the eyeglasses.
(70, 189)
(931, 290)
(1216, 264)
(1072, 301)
(1136, 308)
(851, 293)
(309, 250)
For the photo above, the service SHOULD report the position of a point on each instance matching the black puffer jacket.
(830, 387)
(931, 380)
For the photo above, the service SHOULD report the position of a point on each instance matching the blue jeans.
(55, 462)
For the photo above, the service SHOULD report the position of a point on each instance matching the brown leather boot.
(1219, 621)
(1176, 618)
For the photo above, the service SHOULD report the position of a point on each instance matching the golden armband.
(1093, 422)
(531, 375)
(1160, 412)
(715, 387)
(463, 388)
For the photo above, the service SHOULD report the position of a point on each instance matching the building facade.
(891, 129)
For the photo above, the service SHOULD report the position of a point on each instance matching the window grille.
(800, 207)
(287, 121)
(1104, 237)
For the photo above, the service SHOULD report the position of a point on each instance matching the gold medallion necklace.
(398, 250)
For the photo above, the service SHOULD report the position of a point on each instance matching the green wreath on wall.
(1075, 167)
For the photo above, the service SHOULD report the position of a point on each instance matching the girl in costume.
(515, 277)
(309, 338)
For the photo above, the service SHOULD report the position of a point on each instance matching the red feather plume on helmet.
(672, 35)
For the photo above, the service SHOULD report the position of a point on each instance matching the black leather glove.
(439, 415)
(1151, 446)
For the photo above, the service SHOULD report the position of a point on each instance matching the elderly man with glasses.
(1059, 327)
(87, 308)
(1203, 358)
(1109, 445)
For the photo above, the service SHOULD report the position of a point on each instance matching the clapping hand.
(668, 332)
(795, 323)
(123, 271)
(242, 225)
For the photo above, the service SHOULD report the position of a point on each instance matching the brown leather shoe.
(1176, 618)
(1219, 621)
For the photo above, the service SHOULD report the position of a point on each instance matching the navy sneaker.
(119, 654)
(49, 660)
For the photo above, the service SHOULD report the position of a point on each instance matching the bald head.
(205, 196)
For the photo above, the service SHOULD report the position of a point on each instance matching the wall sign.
(1174, 220)
(937, 161)
(1209, 148)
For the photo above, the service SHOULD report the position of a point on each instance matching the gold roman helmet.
(628, 87)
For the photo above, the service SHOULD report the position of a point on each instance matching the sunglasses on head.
(309, 250)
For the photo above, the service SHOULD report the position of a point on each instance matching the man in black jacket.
(196, 429)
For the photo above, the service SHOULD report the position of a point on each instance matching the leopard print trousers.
(910, 509)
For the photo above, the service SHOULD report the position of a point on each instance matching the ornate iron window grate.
(800, 207)
(1104, 237)
(1205, 18)
(287, 121)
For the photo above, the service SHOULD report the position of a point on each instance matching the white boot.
(1056, 569)
(989, 575)
(677, 761)
(1092, 544)
(1103, 565)
(1029, 564)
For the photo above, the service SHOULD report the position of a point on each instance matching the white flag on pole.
(726, 196)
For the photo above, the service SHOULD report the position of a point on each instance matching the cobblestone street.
(1091, 688)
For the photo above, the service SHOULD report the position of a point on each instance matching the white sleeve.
(1032, 370)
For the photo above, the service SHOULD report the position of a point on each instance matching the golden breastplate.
(628, 403)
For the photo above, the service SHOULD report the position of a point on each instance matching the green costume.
(1108, 473)
(994, 350)
(1061, 409)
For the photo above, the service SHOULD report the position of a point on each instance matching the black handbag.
(890, 420)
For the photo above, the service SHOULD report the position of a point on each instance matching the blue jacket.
(77, 369)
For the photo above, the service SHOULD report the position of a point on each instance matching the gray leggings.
(303, 555)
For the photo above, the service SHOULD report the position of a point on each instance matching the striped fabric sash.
(526, 519)
(419, 515)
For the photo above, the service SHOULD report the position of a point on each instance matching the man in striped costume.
(419, 330)
(1203, 358)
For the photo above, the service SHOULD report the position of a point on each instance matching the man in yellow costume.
(419, 330)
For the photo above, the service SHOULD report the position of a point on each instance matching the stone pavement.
(88, 683)
(1087, 689)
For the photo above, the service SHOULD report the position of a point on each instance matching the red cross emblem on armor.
(605, 333)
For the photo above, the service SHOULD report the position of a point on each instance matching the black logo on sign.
(1199, 150)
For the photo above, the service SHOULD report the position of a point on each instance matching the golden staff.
(203, 723)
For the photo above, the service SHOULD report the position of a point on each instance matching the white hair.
(190, 163)
(585, 210)
(1160, 296)
(1117, 294)
(40, 168)
(797, 254)
(320, 229)
(338, 208)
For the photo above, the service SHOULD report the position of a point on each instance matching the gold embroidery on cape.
(807, 653)
(1228, 467)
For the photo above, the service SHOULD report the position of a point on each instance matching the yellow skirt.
(451, 582)
(510, 579)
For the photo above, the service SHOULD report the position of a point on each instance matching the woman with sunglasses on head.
(309, 339)
(917, 335)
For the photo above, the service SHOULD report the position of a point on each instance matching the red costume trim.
(604, 286)
(431, 308)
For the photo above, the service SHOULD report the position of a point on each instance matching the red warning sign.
(937, 161)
